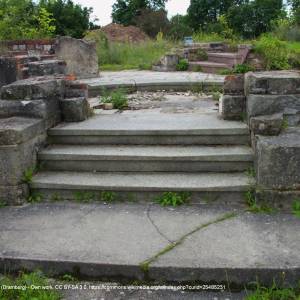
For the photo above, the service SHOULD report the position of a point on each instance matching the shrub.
(118, 98)
(183, 65)
(242, 69)
(274, 52)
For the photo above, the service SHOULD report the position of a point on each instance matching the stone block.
(8, 70)
(278, 160)
(14, 194)
(75, 109)
(167, 63)
(234, 85)
(46, 67)
(232, 107)
(270, 104)
(17, 130)
(80, 55)
(34, 89)
(273, 83)
(267, 125)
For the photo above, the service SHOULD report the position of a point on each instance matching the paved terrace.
(149, 80)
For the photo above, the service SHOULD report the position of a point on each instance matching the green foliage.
(28, 175)
(242, 69)
(179, 27)
(84, 196)
(296, 208)
(118, 98)
(273, 293)
(122, 56)
(26, 280)
(250, 172)
(216, 96)
(108, 196)
(35, 198)
(274, 52)
(3, 203)
(125, 11)
(253, 205)
(173, 199)
(24, 19)
(68, 278)
(69, 18)
(202, 54)
(183, 65)
(55, 197)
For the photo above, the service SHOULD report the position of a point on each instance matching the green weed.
(108, 196)
(253, 205)
(285, 123)
(27, 292)
(118, 98)
(250, 172)
(84, 197)
(35, 198)
(216, 96)
(183, 65)
(3, 203)
(68, 278)
(296, 208)
(28, 175)
(55, 197)
(173, 199)
(274, 293)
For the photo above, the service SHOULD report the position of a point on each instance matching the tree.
(69, 18)
(126, 11)
(179, 27)
(204, 12)
(21, 19)
(295, 9)
(251, 19)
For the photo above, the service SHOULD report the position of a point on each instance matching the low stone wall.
(36, 46)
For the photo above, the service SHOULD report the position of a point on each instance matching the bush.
(183, 65)
(274, 52)
(118, 98)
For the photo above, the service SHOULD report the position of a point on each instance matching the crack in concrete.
(155, 226)
(146, 264)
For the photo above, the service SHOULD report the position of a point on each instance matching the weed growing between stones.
(183, 65)
(254, 206)
(117, 98)
(26, 281)
(285, 123)
(55, 197)
(296, 208)
(250, 172)
(2, 203)
(35, 198)
(68, 278)
(108, 196)
(84, 197)
(173, 199)
(274, 293)
(216, 96)
(28, 175)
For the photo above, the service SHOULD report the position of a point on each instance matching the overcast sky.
(102, 8)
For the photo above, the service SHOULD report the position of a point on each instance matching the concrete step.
(228, 187)
(143, 128)
(208, 66)
(146, 158)
(227, 58)
(194, 244)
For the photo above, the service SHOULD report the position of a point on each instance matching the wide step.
(145, 186)
(152, 129)
(146, 158)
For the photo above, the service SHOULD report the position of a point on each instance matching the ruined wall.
(8, 70)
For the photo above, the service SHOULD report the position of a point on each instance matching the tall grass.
(122, 56)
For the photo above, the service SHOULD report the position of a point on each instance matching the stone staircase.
(143, 156)
(217, 61)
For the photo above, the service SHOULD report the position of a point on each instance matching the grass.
(28, 175)
(296, 208)
(3, 203)
(274, 293)
(173, 199)
(108, 196)
(27, 281)
(254, 206)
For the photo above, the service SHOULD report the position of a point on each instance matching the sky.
(102, 8)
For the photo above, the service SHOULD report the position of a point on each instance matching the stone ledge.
(16, 130)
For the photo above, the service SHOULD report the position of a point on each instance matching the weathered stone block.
(267, 125)
(80, 55)
(75, 109)
(34, 89)
(8, 71)
(234, 85)
(167, 63)
(46, 67)
(278, 161)
(270, 104)
(14, 194)
(232, 107)
(273, 83)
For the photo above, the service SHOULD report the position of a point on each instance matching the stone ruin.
(270, 103)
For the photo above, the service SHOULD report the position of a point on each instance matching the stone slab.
(272, 82)
(138, 181)
(233, 107)
(237, 251)
(75, 109)
(35, 88)
(267, 125)
(152, 123)
(271, 104)
(16, 130)
(278, 160)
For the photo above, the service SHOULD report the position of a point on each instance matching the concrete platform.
(186, 244)
(152, 81)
